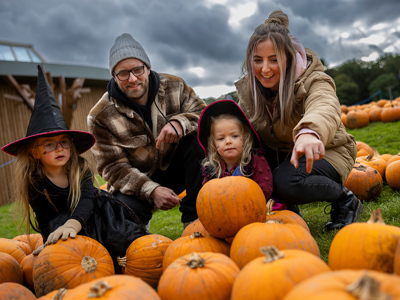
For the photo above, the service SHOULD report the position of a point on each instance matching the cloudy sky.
(202, 41)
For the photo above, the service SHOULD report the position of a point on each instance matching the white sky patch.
(373, 39)
(213, 91)
(199, 71)
(389, 49)
(379, 26)
(209, 3)
(240, 12)
(345, 35)
(372, 57)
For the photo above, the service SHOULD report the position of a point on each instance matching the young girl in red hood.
(232, 146)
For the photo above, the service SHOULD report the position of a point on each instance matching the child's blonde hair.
(212, 162)
(27, 169)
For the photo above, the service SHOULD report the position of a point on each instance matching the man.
(145, 126)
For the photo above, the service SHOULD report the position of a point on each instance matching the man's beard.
(136, 94)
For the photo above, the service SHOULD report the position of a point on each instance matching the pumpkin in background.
(393, 158)
(27, 264)
(365, 182)
(144, 258)
(357, 119)
(12, 248)
(343, 117)
(363, 149)
(370, 245)
(248, 241)
(347, 285)
(195, 226)
(386, 157)
(70, 263)
(194, 243)
(224, 205)
(393, 175)
(34, 240)
(115, 287)
(390, 114)
(284, 216)
(199, 276)
(274, 274)
(376, 162)
(15, 291)
(10, 269)
(375, 114)
(344, 109)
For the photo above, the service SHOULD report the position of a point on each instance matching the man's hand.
(165, 198)
(70, 229)
(309, 145)
(168, 134)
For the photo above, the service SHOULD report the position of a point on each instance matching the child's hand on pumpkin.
(69, 229)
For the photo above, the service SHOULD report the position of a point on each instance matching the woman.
(293, 106)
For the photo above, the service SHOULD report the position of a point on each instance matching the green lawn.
(382, 136)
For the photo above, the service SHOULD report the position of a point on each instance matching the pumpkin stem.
(271, 254)
(122, 261)
(270, 204)
(60, 294)
(99, 288)
(376, 217)
(196, 235)
(366, 288)
(196, 261)
(273, 222)
(89, 264)
(368, 157)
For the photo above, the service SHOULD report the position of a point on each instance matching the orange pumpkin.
(365, 182)
(376, 162)
(390, 114)
(144, 258)
(344, 108)
(194, 243)
(120, 287)
(274, 274)
(393, 175)
(70, 263)
(393, 158)
(343, 118)
(248, 241)
(34, 240)
(12, 248)
(199, 276)
(224, 205)
(284, 216)
(27, 269)
(363, 149)
(195, 226)
(369, 245)
(347, 285)
(54, 295)
(357, 119)
(386, 157)
(10, 270)
(15, 291)
(375, 114)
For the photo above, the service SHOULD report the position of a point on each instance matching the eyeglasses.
(124, 75)
(52, 145)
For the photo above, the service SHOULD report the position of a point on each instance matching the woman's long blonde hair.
(276, 29)
(27, 169)
(213, 160)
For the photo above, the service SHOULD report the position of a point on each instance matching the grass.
(382, 136)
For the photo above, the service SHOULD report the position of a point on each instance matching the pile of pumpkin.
(358, 116)
(370, 171)
(238, 249)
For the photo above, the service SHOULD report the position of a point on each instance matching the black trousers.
(184, 173)
(296, 186)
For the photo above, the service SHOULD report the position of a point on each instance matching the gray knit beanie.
(126, 47)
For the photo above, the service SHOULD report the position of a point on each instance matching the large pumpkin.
(391, 113)
(196, 242)
(364, 181)
(12, 248)
(376, 162)
(357, 119)
(347, 285)
(144, 258)
(224, 205)
(199, 276)
(10, 270)
(369, 245)
(70, 263)
(15, 291)
(248, 241)
(274, 274)
(118, 287)
(34, 240)
(27, 269)
(393, 175)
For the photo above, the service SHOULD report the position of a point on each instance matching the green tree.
(346, 89)
(384, 82)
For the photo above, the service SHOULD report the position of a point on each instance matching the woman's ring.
(317, 152)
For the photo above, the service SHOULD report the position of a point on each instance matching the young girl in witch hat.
(232, 146)
(56, 182)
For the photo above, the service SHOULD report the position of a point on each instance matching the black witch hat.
(47, 120)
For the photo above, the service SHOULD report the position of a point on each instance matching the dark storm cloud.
(179, 35)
